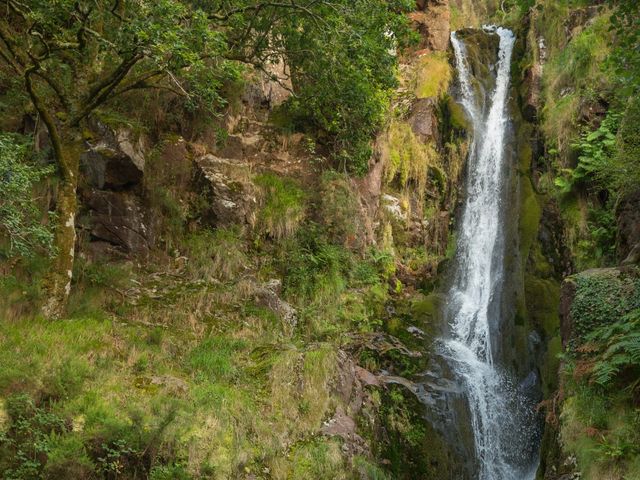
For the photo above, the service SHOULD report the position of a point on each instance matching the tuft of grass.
(215, 359)
(433, 75)
(406, 158)
(310, 461)
(340, 209)
(216, 255)
(283, 206)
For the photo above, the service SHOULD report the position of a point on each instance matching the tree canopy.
(74, 56)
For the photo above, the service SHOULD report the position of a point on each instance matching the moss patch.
(543, 298)
(433, 75)
(529, 219)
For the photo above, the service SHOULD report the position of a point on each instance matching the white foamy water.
(502, 419)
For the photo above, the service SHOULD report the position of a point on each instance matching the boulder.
(271, 88)
(230, 193)
(423, 119)
(118, 218)
(268, 295)
(433, 24)
(114, 160)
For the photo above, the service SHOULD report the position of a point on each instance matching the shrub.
(601, 299)
(339, 209)
(313, 268)
(20, 217)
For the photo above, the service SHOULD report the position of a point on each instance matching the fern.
(621, 349)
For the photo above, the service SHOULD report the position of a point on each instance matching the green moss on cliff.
(529, 219)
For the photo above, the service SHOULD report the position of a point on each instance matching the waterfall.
(502, 419)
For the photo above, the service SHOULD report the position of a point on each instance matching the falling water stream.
(501, 417)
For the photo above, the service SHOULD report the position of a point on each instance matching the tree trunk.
(58, 283)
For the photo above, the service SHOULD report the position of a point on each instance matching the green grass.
(282, 206)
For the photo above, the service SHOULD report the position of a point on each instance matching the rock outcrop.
(628, 223)
(432, 22)
(114, 213)
(230, 195)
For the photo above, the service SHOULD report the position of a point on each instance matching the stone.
(433, 24)
(344, 427)
(366, 377)
(172, 384)
(567, 294)
(423, 119)
(115, 160)
(231, 195)
(267, 295)
(271, 88)
(118, 218)
(628, 223)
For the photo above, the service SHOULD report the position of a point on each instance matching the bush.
(20, 217)
(601, 299)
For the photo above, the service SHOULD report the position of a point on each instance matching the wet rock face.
(120, 219)
(628, 241)
(114, 213)
(229, 191)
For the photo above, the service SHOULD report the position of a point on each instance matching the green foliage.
(625, 22)
(339, 208)
(601, 298)
(20, 217)
(345, 69)
(314, 269)
(596, 149)
(283, 206)
(28, 440)
(619, 344)
(622, 173)
(573, 73)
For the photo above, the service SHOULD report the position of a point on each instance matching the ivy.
(602, 299)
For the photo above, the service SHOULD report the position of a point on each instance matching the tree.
(73, 56)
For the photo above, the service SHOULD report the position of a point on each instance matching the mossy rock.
(457, 115)
(543, 297)
(412, 447)
(550, 366)
(529, 218)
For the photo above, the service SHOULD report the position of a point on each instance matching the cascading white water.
(502, 432)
